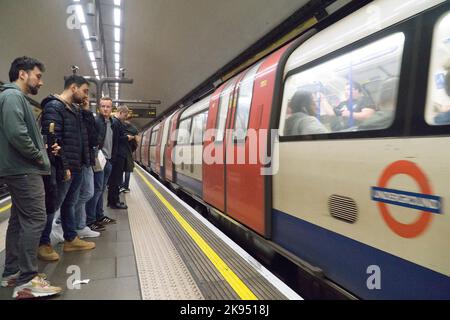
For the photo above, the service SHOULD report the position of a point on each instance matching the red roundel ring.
(409, 168)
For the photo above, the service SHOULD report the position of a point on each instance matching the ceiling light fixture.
(80, 14)
(117, 17)
(117, 3)
(92, 56)
(117, 34)
(85, 31)
(117, 57)
(117, 47)
(89, 46)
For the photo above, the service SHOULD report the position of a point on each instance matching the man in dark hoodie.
(66, 116)
(23, 162)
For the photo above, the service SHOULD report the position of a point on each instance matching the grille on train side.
(343, 208)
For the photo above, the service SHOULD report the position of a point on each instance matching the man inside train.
(386, 107)
(357, 107)
(443, 117)
(302, 118)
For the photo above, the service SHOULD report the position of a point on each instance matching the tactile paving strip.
(162, 273)
(209, 280)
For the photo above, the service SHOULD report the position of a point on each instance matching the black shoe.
(96, 227)
(119, 205)
(106, 220)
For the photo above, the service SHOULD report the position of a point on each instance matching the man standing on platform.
(23, 162)
(95, 217)
(62, 110)
(120, 156)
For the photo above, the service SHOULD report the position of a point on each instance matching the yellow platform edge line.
(8, 206)
(235, 282)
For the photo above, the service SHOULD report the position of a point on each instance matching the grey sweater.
(22, 149)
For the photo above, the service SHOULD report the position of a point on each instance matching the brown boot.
(78, 245)
(46, 253)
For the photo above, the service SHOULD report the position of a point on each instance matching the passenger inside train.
(384, 116)
(302, 118)
(358, 105)
(443, 117)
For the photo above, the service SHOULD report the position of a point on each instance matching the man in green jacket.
(23, 162)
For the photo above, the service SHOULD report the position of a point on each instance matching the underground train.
(355, 183)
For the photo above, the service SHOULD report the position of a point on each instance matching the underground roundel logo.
(427, 203)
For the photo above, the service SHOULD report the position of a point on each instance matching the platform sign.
(141, 113)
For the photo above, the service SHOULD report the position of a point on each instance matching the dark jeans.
(94, 207)
(126, 181)
(115, 180)
(25, 225)
(67, 198)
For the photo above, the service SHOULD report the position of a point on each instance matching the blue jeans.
(94, 207)
(86, 193)
(68, 193)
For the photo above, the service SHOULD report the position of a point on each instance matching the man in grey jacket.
(23, 162)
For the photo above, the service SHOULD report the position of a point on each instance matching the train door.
(247, 194)
(145, 148)
(165, 135)
(152, 152)
(158, 154)
(171, 141)
(213, 147)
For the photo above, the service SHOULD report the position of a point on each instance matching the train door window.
(438, 93)
(244, 102)
(184, 131)
(352, 92)
(198, 128)
(223, 110)
(154, 137)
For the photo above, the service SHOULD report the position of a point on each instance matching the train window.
(352, 92)
(223, 109)
(438, 97)
(244, 102)
(154, 137)
(198, 127)
(184, 131)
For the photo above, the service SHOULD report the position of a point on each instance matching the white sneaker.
(10, 281)
(87, 233)
(35, 288)
(57, 234)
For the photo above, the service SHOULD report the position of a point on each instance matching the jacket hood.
(9, 86)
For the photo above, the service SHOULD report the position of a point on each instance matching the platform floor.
(160, 249)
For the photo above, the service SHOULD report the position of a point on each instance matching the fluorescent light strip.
(89, 46)
(117, 73)
(117, 17)
(80, 13)
(117, 66)
(117, 34)
(85, 31)
(92, 56)
(117, 57)
(117, 47)
(117, 2)
(94, 65)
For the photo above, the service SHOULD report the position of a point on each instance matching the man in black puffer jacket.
(87, 184)
(69, 131)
